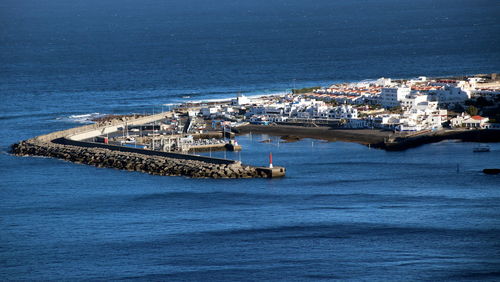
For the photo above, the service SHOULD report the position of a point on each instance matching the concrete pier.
(273, 172)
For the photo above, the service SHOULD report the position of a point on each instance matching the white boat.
(481, 148)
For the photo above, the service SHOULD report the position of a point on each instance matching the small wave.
(82, 118)
(24, 115)
(341, 230)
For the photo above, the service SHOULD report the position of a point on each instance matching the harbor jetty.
(400, 143)
(73, 145)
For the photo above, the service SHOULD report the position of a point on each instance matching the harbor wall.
(115, 125)
(96, 129)
(157, 164)
(65, 141)
(67, 145)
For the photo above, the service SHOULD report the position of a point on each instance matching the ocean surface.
(344, 211)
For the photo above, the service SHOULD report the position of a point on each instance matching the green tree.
(471, 110)
(305, 90)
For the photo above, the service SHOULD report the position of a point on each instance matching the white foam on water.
(227, 99)
(81, 118)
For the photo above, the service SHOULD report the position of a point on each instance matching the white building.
(305, 108)
(392, 96)
(386, 82)
(458, 121)
(241, 100)
(413, 100)
(451, 95)
(273, 109)
(475, 80)
(209, 111)
(422, 116)
(419, 79)
(343, 112)
(387, 121)
(267, 118)
(476, 122)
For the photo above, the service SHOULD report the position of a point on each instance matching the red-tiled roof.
(477, 117)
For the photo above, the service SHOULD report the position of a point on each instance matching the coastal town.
(400, 105)
(385, 113)
(403, 107)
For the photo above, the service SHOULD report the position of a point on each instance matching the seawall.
(63, 145)
(136, 161)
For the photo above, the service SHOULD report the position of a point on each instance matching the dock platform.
(272, 172)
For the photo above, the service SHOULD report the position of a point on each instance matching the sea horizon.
(344, 211)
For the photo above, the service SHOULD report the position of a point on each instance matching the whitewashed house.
(392, 96)
(343, 112)
(476, 122)
(210, 111)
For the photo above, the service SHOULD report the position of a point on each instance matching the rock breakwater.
(157, 165)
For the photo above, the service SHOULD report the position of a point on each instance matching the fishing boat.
(481, 148)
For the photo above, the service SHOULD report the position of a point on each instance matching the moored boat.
(481, 148)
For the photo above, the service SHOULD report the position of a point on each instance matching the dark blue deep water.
(343, 212)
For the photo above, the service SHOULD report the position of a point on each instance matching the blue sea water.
(344, 211)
